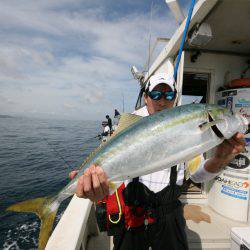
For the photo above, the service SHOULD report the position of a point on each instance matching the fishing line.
(56, 152)
(89, 140)
(61, 157)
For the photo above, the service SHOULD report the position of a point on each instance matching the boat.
(215, 53)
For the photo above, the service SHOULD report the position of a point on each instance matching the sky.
(71, 59)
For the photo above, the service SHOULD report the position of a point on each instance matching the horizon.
(55, 118)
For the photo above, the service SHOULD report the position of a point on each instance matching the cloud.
(69, 106)
(18, 63)
(73, 58)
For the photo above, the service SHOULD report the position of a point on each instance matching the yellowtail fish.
(142, 145)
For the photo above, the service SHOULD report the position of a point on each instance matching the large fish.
(143, 145)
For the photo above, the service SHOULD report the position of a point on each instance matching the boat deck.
(77, 228)
(209, 230)
(206, 229)
(101, 241)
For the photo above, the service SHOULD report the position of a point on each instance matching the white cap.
(159, 78)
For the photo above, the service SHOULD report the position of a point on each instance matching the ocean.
(36, 157)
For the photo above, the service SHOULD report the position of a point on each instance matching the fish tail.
(46, 209)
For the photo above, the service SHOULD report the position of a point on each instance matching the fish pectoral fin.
(206, 125)
(46, 210)
(114, 185)
(192, 166)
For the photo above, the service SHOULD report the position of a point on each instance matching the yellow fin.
(207, 125)
(126, 121)
(192, 166)
(45, 209)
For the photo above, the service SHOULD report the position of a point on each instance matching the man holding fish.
(156, 194)
(146, 212)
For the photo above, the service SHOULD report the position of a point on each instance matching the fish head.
(228, 122)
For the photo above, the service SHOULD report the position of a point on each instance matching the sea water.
(36, 156)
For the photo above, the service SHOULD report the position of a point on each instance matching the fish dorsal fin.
(126, 121)
(207, 125)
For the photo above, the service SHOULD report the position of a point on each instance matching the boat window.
(195, 86)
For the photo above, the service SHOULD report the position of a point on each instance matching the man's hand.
(93, 184)
(225, 152)
(230, 148)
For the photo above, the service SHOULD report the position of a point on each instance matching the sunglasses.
(157, 95)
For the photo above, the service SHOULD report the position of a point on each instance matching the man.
(117, 114)
(106, 131)
(109, 123)
(159, 190)
(117, 117)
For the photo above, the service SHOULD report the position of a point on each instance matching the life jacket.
(133, 207)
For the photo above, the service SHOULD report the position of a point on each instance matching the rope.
(120, 210)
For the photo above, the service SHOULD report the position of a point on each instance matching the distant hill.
(6, 116)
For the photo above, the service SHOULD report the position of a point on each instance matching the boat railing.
(74, 227)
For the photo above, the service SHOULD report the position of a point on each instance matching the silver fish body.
(165, 139)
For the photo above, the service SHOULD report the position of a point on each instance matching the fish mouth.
(219, 129)
(245, 122)
(247, 125)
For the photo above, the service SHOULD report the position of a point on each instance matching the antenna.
(122, 102)
(149, 40)
(176, 10)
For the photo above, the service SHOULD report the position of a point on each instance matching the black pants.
(166, 234)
